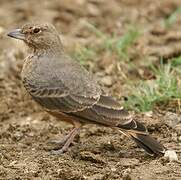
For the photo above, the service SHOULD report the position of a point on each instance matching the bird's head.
(37, 36)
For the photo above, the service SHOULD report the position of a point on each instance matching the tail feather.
(139, 134)
(149, 144)
(134, 125)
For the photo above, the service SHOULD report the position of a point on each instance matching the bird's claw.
(57, 152)
(56, 142)
(60, 142)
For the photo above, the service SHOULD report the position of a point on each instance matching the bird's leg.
(68, 139)
(63, 140)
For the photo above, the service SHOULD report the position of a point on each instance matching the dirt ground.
(98, 153)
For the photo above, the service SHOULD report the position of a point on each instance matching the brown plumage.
(68, 91)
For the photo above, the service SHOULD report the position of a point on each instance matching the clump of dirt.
(98, 153)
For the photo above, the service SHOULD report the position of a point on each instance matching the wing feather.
(103, 113)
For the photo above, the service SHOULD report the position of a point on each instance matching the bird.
(66, 90)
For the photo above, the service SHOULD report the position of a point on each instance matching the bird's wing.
(64, 103)
(65, 86)
(107, 111)
(62, 86)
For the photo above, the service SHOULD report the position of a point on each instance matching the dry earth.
(98, 153)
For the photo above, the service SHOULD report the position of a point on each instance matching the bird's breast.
(27, 68)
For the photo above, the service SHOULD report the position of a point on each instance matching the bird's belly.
(64, 117)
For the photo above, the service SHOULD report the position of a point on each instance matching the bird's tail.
(139, 134)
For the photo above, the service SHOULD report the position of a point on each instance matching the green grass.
(84, 54)
(176, 61)
(170, 20)
(146, 94)
(114, 44)
(123, 43)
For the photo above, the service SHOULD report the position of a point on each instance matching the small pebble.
(149, 113)
(171, 155)
(1, 30)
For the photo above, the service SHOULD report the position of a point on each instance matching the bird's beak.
(17, 34)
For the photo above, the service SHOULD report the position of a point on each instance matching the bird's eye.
(36, 30)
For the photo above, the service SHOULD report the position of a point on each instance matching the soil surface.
(98, 153)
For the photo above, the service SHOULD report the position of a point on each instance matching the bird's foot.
(66, 141)
(58, 152)
(59, 142)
